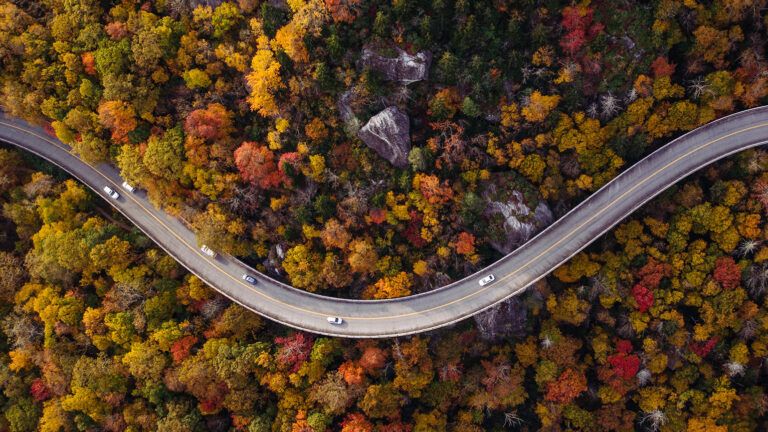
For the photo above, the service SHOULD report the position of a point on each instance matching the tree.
(219, 230)
(568, 386)
(362, 256)
(390, 287)
(164, 156)
(118, 116)
(727, 272)
(22, 415)
(381, 401)
(345, 11)
(356, 422)
(539, 107)
(145, 361)
(225, 17)
(333, 394)
(256, 164)
(197, 79)
(303, 267)
(212, 123)
(372, 359)
(91, 148)
(578, 26)
(264, 80)
(335, 235)
(293, 350)
(11, 276)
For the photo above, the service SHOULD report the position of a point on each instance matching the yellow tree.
(539, 107)
(264, 80)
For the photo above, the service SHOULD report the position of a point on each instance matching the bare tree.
(22, 330)
(748, 330)
(734, 369)
(511, 419)
(653, 420)
(526, 71)
(643, 377)
(698, 88)
(756, 279)
(610, 105)
(631, 96)
(748, 247)
(592, 110)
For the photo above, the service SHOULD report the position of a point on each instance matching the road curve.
(440, 307)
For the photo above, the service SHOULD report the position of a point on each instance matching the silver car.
(112, 194)
(486, 280)
(127, 186)
(335, 320)
(208, 251)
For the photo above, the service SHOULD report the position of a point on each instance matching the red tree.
(568, 387)
(625, 365)
(373, 359)
(643, 297)
(257, 165)
(181, 348)
(578, 26)
(651, 274)
(727, 272)
(39, 391)
(701, 349)
(661, 67)
(294, 350)
(356, 422)
(212, 123)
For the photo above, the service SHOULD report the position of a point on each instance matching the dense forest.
(261, 122)
(375, 149)
(660, 326)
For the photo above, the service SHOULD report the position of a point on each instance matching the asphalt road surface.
(440, 307)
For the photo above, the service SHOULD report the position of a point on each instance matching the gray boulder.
(404, 68)
(388, 133)
(511, 221)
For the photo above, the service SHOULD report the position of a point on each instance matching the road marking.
(472, 294)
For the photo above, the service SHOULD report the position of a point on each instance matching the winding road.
(440, 307)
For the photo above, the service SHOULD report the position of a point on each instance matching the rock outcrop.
(511, 220)
(404, 68)
(388, 133)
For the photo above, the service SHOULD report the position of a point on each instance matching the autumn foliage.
(257, 165)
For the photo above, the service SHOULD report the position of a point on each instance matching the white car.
(208, 251)
(250, 279)
(127, 186)
(335, 320)
(486, 280)
(112, 194)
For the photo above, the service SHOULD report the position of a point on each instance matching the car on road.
(335, 320)
(112, 194)
(250, 279)
(127, 186)
(208, 251)
(486, 280)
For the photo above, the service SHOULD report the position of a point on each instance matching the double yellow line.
(424, 311)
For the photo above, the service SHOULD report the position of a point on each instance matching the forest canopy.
(260, 121)
(256, 122)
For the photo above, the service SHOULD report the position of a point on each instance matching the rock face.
(388, 133)
(507, 319)
(511, 220)
(404, 68)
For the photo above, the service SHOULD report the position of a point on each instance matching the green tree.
(164, 156)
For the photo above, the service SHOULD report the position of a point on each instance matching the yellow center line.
(474, 293)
